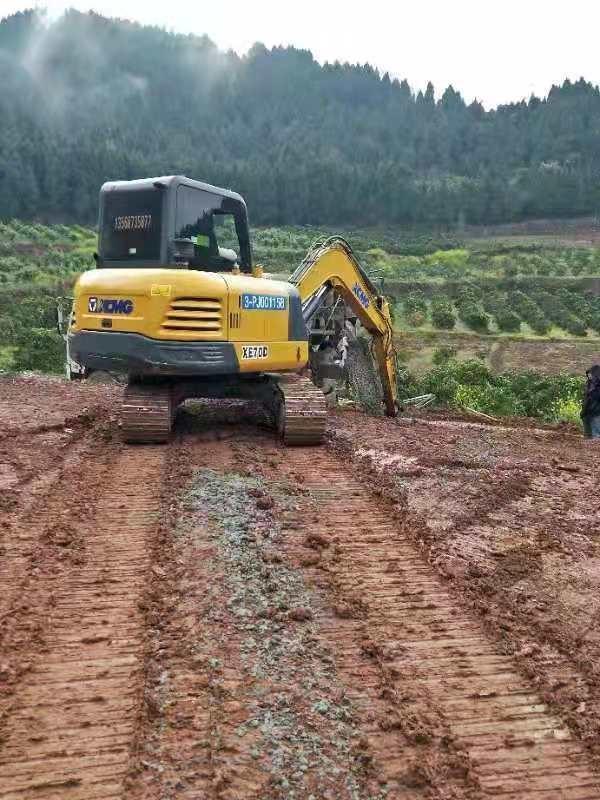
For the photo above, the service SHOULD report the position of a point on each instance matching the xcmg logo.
(361, 294)
(104, 305)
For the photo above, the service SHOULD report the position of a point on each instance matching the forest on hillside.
(86, 99)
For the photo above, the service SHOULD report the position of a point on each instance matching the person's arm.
(585, 401)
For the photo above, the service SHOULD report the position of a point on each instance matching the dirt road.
(409, 612)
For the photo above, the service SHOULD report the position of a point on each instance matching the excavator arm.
(331, 264)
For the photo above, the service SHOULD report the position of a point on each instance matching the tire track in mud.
(69, 726)
(536, 561)
(401, 689)
(515, 531)
(438, 709)
(41, 543)
(241, 701)
(37, 502)
(429, 647)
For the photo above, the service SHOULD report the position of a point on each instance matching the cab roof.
(168, 181)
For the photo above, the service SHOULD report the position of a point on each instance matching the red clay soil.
(510, 517)
(75, 561)
(33, 404)
(408, 612)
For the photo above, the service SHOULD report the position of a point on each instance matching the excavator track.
(147, 413)
(302, 416)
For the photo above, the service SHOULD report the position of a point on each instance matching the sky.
(496, 51)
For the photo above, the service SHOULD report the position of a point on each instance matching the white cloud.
(496, 51)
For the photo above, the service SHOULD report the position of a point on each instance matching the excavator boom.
(331, 264)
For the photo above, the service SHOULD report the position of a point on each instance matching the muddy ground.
(409, 612)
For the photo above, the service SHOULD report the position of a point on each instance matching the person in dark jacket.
(590, 409)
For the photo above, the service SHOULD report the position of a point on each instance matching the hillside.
(515, 305)
(86, 98)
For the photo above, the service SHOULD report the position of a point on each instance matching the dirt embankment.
(503, 353)
(409, 612)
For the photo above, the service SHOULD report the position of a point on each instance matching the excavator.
(176, 304)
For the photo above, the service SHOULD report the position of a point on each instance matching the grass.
(6, 358)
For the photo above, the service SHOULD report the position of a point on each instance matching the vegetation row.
(536, 310)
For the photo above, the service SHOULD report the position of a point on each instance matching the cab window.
(205, 234)
(131, 229)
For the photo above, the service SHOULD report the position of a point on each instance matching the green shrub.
(474, 316)
(34, 310)
(529, 311)
(578, 304)
(469, 293)
(594, 321)
(496, 303)
(415, 303)
(40, 349)
(539, 394)
(471, 384)
(472, 372)
(456, 258)
(556, 310)
(575, 327)
(508, 321)
(439, 381)
(470, 309)
(441, 355)
(488, 399)
(567, 409)
(442, 313)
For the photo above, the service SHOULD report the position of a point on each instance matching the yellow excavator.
(176, 304)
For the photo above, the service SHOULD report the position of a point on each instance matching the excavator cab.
(173, 222)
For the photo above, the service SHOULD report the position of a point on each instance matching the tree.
(337, 144)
